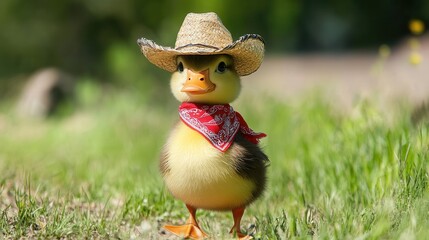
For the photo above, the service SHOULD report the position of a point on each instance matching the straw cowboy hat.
(204, 34)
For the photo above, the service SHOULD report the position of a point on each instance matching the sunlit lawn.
(94, 172)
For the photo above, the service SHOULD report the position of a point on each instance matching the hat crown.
(203, 29)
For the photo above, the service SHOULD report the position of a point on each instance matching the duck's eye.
(221, 68)
(180, 67)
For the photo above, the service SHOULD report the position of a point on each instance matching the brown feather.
(163, 162)
(251, 163)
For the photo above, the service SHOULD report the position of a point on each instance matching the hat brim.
(247, 53)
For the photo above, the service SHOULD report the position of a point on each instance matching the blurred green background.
(97, 39)
(90, 170)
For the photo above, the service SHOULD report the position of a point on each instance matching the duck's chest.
(201, 175)
(190, 154)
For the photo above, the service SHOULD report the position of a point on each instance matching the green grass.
(93, 173)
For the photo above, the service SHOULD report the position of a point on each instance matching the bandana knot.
(217, 123)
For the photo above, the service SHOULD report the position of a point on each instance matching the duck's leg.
(237, 214)
(190, 229)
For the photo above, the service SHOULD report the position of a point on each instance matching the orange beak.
(198, 82)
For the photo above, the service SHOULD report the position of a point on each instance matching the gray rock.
(44, 91)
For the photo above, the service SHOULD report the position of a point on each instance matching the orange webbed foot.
(240, 235)
(190, 229)
(187, 231)
(237, 214)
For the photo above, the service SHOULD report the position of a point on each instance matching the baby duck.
(212, 159)
(194, 170)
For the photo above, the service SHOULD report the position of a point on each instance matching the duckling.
(198, 169)
(212, 159)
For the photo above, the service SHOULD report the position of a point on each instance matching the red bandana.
(217, 123)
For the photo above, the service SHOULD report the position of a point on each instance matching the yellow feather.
(228, 84)
(201, 175)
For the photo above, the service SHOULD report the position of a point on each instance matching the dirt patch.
(344, 78)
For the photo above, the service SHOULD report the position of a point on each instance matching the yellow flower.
(415, 58)
(416, 26)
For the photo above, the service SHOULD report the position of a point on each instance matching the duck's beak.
(198, 82)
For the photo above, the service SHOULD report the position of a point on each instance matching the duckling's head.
(209, 79)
